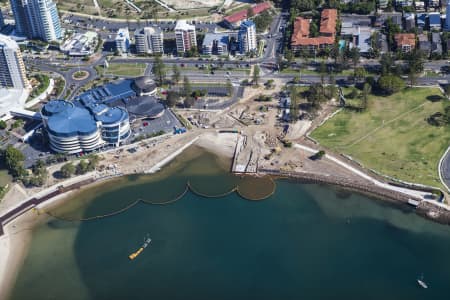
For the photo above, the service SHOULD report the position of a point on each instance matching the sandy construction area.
(187, 4)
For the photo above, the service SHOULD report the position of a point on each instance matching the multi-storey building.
(215, 43)
(447, 14)
(300, 40)
(2, 21)
(12, 70)
(74, 127)
(247, 37)
(123, 40)
(185, 36)
(149, 40)
(37, 19)
(405, 42)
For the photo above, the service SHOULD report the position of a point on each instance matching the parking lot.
(165, 123)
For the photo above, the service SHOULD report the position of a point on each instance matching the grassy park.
(130, 69)
(392, 136)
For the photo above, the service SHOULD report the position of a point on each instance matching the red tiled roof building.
(235, 19)
(300, 40)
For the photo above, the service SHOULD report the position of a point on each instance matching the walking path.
(412, 193)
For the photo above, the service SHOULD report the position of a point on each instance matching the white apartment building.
(123, 40)
(149, 40)
(12, 70)
(185, 36)
(247, 37)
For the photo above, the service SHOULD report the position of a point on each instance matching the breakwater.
(426, 209)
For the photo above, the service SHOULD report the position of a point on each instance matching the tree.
(354, 56)
(289, 55)
(2, 124)
(367, 88)
(250, 12)
(360, 74)
(256, 71)
(447, 90)
(82, 167)
(415, 64)
(14, 159)
(159, 69)
(323, 72)
(387, 63)
(229, 87)
(187, 88)
(67, 170)
(172, 98)
(176, 75)
(390, 84)
(39, 168)
(188, 101)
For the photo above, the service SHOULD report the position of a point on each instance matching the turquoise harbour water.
(304, 242)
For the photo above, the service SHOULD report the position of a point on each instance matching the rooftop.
(301, 35)
(67, 119)
(211, 37)
(6, 41)
(328, 21)
(402, 39)
(242, 14)
(183, 25)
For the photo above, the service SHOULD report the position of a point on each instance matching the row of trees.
(14, 159)
(83, 166)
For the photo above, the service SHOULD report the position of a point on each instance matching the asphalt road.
(445, 169)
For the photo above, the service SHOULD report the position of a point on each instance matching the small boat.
(422, 283)
(139, 251)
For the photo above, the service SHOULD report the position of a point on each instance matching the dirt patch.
(191, 4)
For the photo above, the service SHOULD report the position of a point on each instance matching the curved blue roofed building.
(75, 127)
(115, 123)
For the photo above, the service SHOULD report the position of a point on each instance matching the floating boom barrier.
(179, 197)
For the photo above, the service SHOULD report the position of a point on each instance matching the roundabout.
(80, 75)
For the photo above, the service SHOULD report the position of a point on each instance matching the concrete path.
(412, 193)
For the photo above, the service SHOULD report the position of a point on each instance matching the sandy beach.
(18, 233)
(147, 157)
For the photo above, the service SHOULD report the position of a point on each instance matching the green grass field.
(392, 136)
(131, 69)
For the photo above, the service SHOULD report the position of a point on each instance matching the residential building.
(123, 40)
(419, 6)
(328, 20)
(185, 36)
(409, 21)
(403, 3)
(300, 40)
(383, 3)
(2, 21)
(434, 20)
(149, 40)
(434, 3)
(247, 37)
(81, 44)
(358, 36)
(405, 42)
(12, 72)
(447, 16)
(421, 20)
(37, 19)
(215, 43)
(424, 43)
(436, 43)
(235, 20)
